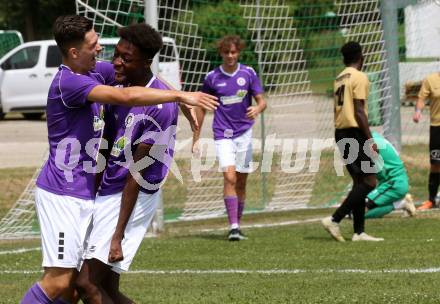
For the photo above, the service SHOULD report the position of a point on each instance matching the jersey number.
(339, 95)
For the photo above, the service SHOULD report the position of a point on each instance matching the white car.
(26, 73)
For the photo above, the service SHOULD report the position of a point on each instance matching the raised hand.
(199, 99)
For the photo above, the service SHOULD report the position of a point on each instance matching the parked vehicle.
(26, 73)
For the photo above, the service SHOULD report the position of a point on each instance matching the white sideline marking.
(267, 272)
(21, 250)
(286, 223)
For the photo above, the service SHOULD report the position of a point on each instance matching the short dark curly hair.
(144, 37)
(352, 52)
(70, 30)
(226, 41)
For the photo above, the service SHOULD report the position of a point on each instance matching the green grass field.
(297, 263)
(291, 263)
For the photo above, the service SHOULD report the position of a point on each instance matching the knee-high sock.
(379, 211)
(231, 203)
(240, 210)
(354, 202)
(434, 180)
(35, 295)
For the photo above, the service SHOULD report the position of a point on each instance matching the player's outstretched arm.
(128, 201)
(140, 96)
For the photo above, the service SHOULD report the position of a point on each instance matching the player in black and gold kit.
(354, 140)
(431, 90)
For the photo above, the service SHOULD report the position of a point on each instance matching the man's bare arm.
(140, 96)
(361, 118)
(128, 201)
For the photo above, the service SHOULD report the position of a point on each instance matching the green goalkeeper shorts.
(389, 192)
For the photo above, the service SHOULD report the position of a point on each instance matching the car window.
(53, 58)
(23, 59)
(107, 52)
(167, 53)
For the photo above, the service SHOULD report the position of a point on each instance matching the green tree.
(220, 18)
(33, 18)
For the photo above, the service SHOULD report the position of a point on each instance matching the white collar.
(228, 74)
(151, 81)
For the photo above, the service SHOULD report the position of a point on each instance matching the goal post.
(294, 47)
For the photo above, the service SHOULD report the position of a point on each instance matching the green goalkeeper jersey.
(392, 166)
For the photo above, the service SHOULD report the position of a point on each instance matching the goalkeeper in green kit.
(391, 192)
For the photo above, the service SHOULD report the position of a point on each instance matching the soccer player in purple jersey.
(235, 85)
(66, 185)
(126, 204)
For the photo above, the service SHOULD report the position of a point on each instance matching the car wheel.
(32, 116)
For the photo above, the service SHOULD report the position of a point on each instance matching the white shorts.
(105, 218)
(236, 152)
(64, 221)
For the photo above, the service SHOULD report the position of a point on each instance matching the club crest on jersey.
(98, 123)
(241, 81)
(129, 120)
(119, 146)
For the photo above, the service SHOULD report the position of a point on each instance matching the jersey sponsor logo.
(241, 81)
(237, 98)
(119, 146)
(223, 84)
(227, 100)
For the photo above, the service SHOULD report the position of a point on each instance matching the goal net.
(9, 40)
(294, 47)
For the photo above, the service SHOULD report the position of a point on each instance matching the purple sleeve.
(107, 71)
(207, 88)
(255, 85)
(75, 89)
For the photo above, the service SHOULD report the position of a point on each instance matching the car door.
(21, 79)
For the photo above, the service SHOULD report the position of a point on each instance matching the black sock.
(434, 180)
(354, 202)
(359, 208)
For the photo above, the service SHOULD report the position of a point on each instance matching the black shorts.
(359, 163)
(434, 144)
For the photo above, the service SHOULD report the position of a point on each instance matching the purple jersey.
(235, 92)
(74, 130)
(153, 125)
